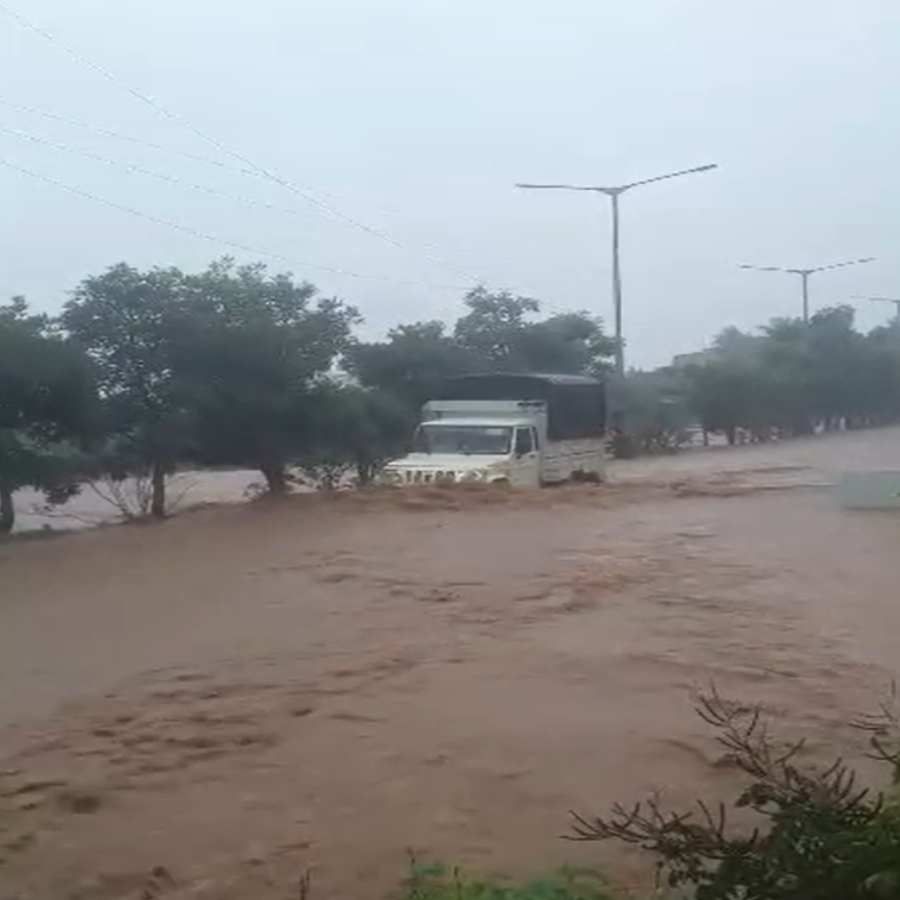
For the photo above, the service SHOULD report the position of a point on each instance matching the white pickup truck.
(524, 430)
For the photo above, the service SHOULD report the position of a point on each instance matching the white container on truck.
(524, 430)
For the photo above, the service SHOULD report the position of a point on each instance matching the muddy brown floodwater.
(208, 707)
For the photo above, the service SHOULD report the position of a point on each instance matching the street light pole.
(617, 285)
(613, 193)
(804, 276)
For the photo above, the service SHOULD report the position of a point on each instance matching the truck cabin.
(474, 437)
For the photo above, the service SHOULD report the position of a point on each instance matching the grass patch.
(434, 881)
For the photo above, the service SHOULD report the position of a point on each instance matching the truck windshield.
(476, 439)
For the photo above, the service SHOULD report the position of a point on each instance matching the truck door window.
(536, 439)
(524, 443)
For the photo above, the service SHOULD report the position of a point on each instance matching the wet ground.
(244, 692)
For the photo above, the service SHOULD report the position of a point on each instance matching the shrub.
(819, 836)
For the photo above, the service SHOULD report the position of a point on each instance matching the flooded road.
(248, 691)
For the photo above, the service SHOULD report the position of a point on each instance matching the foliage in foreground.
(437, 882)
(818, 835)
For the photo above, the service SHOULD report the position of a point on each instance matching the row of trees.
(790, 378)
(794, 378)
(235, 366)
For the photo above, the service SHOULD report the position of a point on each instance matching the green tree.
(412, 363)
(499, 331)
(656, 413)
(493, 327)
(837, 358)
(127, 321)
(726, 394)
(47, 397)
(249, 351)
(496, 334)
(879, 382)
(796, 377)
(358, 428)
(571, 343)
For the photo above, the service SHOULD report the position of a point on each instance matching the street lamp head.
(678, 174)
(849, 262)
(557, 187)
(615, 190)
(810, 271)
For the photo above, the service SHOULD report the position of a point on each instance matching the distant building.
(697, 358)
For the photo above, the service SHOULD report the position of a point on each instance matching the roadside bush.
(437, 882)
(623, 446)
(818, 835)
(324, 471)
(652, 415)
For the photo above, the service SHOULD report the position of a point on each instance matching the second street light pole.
(804, 276)
(613, 194)
(617, 286)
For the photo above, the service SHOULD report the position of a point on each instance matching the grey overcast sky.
(417, 116)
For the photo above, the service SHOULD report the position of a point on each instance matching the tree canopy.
(234, 365)
(497, 333)
(47, 398)
(127, 322)
(249, 351)
(794, 377)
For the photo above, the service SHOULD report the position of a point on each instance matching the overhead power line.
(245, 161)
(194, 232)
(150, 173)
(428, 251)
(120, 136)
(173, 116)
(158, 107)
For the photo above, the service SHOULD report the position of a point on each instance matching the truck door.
(525, 467)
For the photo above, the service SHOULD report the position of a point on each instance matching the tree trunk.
(731, 435)
(275, 476)
(7, 509)
(158, 499)
(365, 471)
